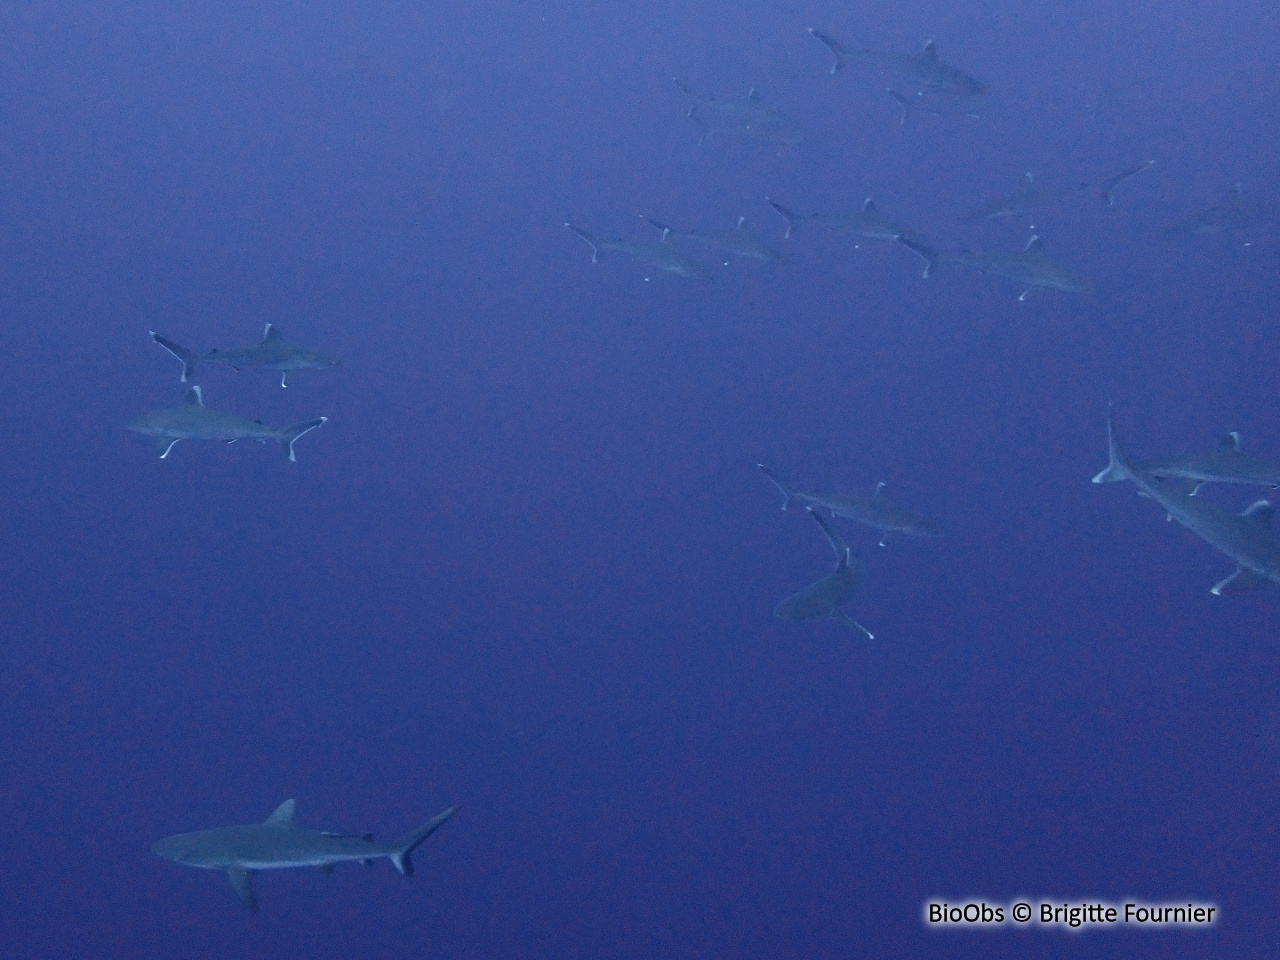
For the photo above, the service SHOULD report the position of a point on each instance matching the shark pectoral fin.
(853, 624)
(284, 379)
(1241, 581)
(242, 880)
(1023, 296)
(885, 539)
(165, 444)
(1196, 489)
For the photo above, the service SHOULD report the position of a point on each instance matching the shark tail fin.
(665, 228)
(182, 353)
(930, 254)
(288, 436)
(904, 102)
(413, 839)
(1115, 469)
(594, 242)
(793, 219)
(838, 49)
(787, 491)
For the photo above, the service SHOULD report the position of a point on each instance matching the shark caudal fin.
(904, 102)
(788, 492)
(182, 353)
(1115, 469)
(288, 436)
(793, 219)
(410, 841)
(930, 254)
(594, 242)
(838, 49)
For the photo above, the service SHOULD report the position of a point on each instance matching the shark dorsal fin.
(754, 95)
(194, 397)
(869, 206)
(1260, 514)
(1230, 442)
(1035, 244)
(931, 50)
(1030, 178)
(269, 334)
(741, 222)
(283, 817)
(879, 488)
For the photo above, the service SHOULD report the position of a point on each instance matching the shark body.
(923, 68)
(192, 420)
(1247, 538)
(878, 511)
(278, 843)
(1226, 463)
(1031, 266)
(750, 117)
(867, 223)
(741, 241)
(272, 352)
(1221, 217)
(663, 255)
(826, 597)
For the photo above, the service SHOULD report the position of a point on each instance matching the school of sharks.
(924, 83)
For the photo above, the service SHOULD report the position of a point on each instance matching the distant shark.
(827, 597)
(277, 843)
(750, 117)
(192, 420)
(1221, 217)
(1224, 464)
(1107, 187)
(741, 241)
(1028, 196)
(923, 68)
(1247, 538)
(1031, 266)
(868, 223)
(271, 352)
(664, 255)
(877, 511)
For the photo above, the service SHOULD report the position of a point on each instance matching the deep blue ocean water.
(528, 566)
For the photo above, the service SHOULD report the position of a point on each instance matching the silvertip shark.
(272, 352)
(878, 511)
(827, 597)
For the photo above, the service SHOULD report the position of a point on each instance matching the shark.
(664, 255)
(272, 352)
(868, 223)
(750, 117)
(940, 103)
(827, 597)
(877, 511)
(1027, 196)
(741, 241)
(278, 843)
(1107, 187)
(923, 68)
(192, 420)
(1247, 538)
(1030, 266)
(1226, 463)
(1221, 217)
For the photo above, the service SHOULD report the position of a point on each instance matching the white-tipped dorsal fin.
(283, 817)
(269, 334)
(754, 95)
(879, 488)
(741, 221)
(931, 50)
(195, 397)
(1230, 442)
(1260, 513)
(869, 206)
(1035, 243)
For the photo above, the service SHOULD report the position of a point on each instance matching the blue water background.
(528, 566)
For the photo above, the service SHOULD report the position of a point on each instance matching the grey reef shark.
(272, 352)
(1247, 538)
(878, 511)
(278, 843)
(749, 117)
(1031, 266)
(826, 598)
(741, 241)
(192, 420)
(1226, 463)
(663, 255)
(868, 223)
(923, 68)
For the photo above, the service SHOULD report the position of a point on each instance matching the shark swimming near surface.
(663, 255)
(272, 352)
(923, 68)
(1031, 266)
(1247, 538)
(878, 511)
(192, 420)
(741, 241)
(278, 843)
(1226, 463)
(750, 117)
(867, 223)
(827, 597)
